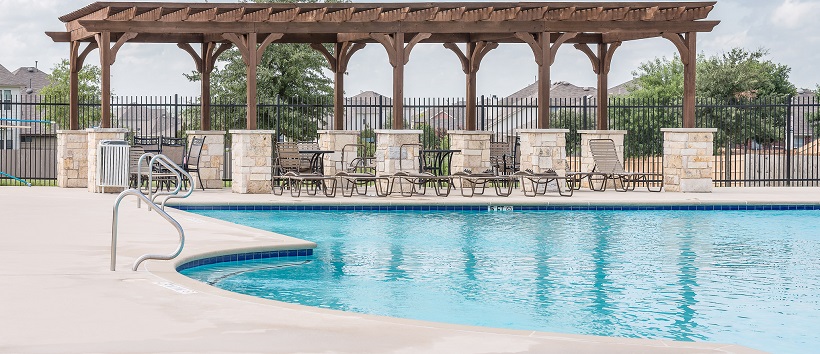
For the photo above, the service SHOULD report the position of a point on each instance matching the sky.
(786, 28)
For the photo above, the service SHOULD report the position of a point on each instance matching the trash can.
(112, 164)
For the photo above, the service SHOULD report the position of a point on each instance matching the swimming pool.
(744, 277)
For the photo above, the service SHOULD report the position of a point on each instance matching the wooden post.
(399, 55)
(470, 63)
(398, 83)
(104, 42)
(544, 57)
(76, 60)
(689, 76)
(342, 52)
(688, 55)
(251, 55)
(204, 66)
(600, 65)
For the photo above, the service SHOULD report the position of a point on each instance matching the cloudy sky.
(786, 28)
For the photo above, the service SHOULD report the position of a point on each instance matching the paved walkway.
(59, 296)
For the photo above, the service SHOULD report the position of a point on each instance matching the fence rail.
(760, 142)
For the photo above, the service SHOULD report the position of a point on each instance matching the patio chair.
(148, 143)
(356, 171)
(191, 164)
(609, 167)
(175, 150)
(500, 157)
(290, 172)
(476, 183)
(538, 182)
(417, 180)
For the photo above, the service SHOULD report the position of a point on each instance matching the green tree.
(739, 92)
(58, 91)
(292, 88)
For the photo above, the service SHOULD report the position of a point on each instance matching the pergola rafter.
(544, 26)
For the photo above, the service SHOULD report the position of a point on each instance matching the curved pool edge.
(569, 342)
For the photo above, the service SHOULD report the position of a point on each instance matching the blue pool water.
(744, 277)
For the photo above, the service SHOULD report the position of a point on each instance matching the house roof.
(32, 78)
(368, 97)
(558, 90)
(7, 79)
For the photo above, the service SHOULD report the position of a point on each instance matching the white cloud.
(795, 13)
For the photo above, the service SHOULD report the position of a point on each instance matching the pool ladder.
(158, 161)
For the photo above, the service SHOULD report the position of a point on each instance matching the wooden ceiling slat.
(125, 15)
(230, 16)
(422, 15)
(311, 16)
(151, 15)
(203, 16)
(339, 16)
(178, 15)
(532, 14)
(641, 14)
(561, 14)
(478, 14)
(285, 16)
(697, 13)
(670, 14)
(591, 14)
(366, 15)
(394, 15)
(614, 14)
(256, 16)
(100, 14)
(504, 14)
(450, 14)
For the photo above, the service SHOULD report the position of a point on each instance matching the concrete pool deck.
(59, 296)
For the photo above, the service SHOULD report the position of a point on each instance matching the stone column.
(212, 159)
(95, 135)
(688, 161)
(335, 140)
(475, 150)
(252, 152)
(390, 158)
(587, 163)
(543, 149)
(72, 159)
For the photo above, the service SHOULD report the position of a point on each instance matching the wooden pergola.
(544, 26)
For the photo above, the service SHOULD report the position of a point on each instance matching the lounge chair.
(417, 181)
(356, 172)
(538, 182)
(290, 172)
(476, 183)
(609, 167)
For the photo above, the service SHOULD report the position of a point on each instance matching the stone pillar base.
(212, 158)
(335, 140)
(72, 159)
(543, 149)
(252, 152)
(475, 150)
(688, 161)
(390, 158)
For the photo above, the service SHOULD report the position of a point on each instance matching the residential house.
(18, 93)
(148, 121)
(367, 110)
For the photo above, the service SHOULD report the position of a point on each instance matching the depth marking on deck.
(500, 208)
(176, 287)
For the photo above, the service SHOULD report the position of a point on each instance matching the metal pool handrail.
(161, 212)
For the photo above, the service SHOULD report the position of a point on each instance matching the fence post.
(585, 115)
(483, 116)
(381, 112)
(789, 141)
(176, 114)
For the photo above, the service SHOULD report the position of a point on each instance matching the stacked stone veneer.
(587, 162)
(475, 150)
(335, 140)
(212, 158)
(72, 158)
(95, 136)
(390, 157)
(543, 149)
(252, 152)
(688, 161)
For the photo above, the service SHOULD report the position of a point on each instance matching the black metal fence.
(760, 142)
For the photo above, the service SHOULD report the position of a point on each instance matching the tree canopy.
(287, 73)
(58, 90)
